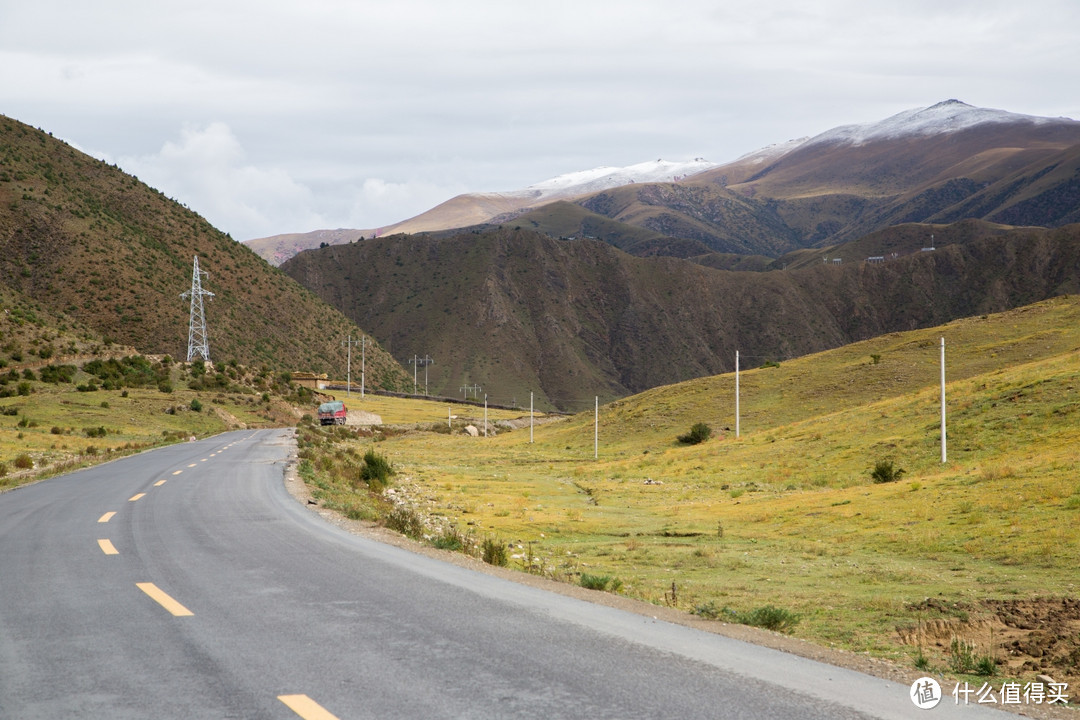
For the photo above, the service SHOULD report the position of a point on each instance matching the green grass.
(58, 428)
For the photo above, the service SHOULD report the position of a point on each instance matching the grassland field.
(981, 550)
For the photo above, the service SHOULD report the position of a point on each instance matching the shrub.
(24, 462)
(961, 656)
(98, 432)
(884, 471)
(600, 582)
(770, 618)
(708, 610)
(493, 552)
(164, 386)
(375, 471)
(452, 539)
(405, 521)
(24, 388)
(56, 374)
(699, 433)
(56, 430)
(196, 405)
(3, 469)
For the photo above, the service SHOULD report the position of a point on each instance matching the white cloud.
(206, 169)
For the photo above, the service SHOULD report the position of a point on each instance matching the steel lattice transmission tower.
(197, 344)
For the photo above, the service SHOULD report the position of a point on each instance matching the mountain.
(517, 311)
(482, 208)
(89, 242)
(943, 163)
(936, 164)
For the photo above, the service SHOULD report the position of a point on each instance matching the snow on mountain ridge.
(770, 152)
(602, 178)
(944, 117)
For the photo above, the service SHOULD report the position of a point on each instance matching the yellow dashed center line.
(192, 465)
(178, 472)
(133, 498)
(203, 460)
(107, 547)
(106, 517)
(164, 600)
(159, 483)
(306, 708)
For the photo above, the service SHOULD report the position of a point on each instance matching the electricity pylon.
(198, 344)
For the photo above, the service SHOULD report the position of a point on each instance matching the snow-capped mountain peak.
(944, 117)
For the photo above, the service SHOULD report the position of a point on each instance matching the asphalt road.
(211, 593)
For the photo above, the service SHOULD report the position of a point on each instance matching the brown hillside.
(83, 238)
(516, 311)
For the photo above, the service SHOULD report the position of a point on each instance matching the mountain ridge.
(835, 186)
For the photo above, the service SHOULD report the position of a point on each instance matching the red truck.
(332, 413)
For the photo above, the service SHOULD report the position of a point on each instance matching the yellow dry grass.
(787, 514)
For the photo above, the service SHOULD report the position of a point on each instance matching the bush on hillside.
(884, 471)
(493, 552)
(699, 433)
(375, 471)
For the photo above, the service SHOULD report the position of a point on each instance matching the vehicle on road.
(332, 413)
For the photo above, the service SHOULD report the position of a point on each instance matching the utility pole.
(736, 393)
(348, 364)
(363, 362)
(425, 361)
(943, 453)
(466, 389)
(530, 416)
(416, 362)
(198, 342)
(596, 431)
(485, 414)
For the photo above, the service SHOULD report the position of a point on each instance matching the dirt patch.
(1026, 638)
(362, 418)
(230, 420)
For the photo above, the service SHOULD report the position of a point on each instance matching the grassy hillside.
(87, 240)
(517, 312)
(981, 548)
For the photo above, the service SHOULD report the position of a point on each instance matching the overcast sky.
(271, 117)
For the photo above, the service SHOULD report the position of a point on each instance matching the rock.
(471, 430)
